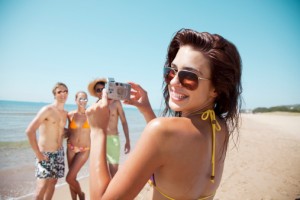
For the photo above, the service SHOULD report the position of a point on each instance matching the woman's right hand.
(139, 98)
(98, 114)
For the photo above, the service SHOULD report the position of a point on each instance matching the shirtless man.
(113, 141)
(50, 122)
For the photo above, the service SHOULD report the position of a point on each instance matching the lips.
(177, 96)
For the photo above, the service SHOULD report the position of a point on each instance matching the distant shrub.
(292, 108)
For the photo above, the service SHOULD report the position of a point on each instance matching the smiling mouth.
(177, 96)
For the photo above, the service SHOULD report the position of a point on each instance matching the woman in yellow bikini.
(78, 143)
(181, 156)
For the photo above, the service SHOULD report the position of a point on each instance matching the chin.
(174, 106)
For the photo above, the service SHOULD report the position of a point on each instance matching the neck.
(81, 111)
(59, 106)
(198, 111)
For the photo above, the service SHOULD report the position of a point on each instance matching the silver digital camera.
(117, 90)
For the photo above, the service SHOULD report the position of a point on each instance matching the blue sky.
(43, 42)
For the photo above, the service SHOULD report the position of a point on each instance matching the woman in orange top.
(78, 143)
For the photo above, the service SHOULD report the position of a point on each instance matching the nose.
(175, 81)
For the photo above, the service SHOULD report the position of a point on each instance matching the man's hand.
(127, 147)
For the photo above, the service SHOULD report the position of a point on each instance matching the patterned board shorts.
(54, 167)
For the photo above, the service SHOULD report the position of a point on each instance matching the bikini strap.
(153, 185)
(215, 127)
(150, 182)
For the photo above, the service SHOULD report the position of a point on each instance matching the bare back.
(179, 153)
(188, 163)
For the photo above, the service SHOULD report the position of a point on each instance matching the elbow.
(28, 132)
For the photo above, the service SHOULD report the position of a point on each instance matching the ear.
(213, 93)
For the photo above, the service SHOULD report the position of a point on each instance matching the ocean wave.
(14, 144)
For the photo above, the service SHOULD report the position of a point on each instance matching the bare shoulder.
(118, 103)
(46, 109)
(162, 126)
(71, 113)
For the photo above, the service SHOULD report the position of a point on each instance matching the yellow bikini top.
(73, 124)
(215, 127)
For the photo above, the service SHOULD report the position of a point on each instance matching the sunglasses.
(98, 90)
(83, 100)
(65, 91)
(187, 79)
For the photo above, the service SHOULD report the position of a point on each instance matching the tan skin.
(50, 122)
(79, 137)
(177, 150)
(116, 113)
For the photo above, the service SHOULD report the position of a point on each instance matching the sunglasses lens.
(189, 80)
(98, 90)
(169, 74)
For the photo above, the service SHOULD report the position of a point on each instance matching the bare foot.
(82, 196)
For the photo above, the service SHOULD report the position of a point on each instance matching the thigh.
(78, 161)
(113, 149)
(70, 156)
(59, 164)
(44, 169)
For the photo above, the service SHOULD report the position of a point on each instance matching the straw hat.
(92, 85)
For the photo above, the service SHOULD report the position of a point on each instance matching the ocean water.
(16, 154)
(15, 117)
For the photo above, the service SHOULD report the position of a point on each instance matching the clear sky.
(43, 42)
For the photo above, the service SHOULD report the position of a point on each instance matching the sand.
(265, 164)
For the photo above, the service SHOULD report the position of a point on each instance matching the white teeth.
(177, 96)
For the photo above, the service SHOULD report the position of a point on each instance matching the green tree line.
(292, 108)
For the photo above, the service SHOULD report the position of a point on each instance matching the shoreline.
(263, 165)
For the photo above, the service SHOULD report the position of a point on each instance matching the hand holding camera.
(117, 90)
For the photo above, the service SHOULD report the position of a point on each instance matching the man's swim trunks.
(52, 168)
(113, 149)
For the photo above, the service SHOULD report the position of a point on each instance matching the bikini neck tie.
(215, 127)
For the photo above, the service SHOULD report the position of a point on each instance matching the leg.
(40, 190)
(70, 157)
(50, 188)
(113, 153)
(77, 162)
(113, 168)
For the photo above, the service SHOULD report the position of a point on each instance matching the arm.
(67, 131)
(132, 177)
(125, 127)
(98, 117)
(31, 132)
(139, 98)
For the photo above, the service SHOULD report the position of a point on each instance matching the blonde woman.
(78, 149)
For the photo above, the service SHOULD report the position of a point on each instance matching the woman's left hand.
(98, 114)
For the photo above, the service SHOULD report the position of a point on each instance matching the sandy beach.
(265, 164)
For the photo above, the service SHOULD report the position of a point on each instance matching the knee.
(70, 179)
(53, 182)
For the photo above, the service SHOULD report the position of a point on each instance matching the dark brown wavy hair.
(226, 70)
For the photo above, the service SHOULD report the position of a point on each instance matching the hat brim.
(92, 85)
